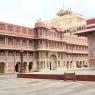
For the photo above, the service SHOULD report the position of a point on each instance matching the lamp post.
(21, 58)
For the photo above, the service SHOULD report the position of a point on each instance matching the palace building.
(89, 32)
(47, 46)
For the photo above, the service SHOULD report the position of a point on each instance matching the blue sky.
(26, 12)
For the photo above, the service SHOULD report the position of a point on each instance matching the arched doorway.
(38, 66)
(2, 67)
(85, 64)
(53, 62)
(30, 66)
(71, 65)
(78, 64)
(17, 67)
(24, 66)
(67, 65)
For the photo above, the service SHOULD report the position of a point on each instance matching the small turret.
(39, 23)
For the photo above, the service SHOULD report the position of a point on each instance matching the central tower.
(69, 20)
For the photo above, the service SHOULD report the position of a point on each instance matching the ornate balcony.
(16, 47)
(76, 51)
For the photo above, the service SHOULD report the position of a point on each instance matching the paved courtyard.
(10, 85)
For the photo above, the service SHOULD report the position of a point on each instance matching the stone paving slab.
(10, 85)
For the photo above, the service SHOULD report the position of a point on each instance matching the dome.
(63, 12)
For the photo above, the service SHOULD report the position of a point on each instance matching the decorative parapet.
(15, 30)
(89, 28)
(73, 39)
(40, 24)
(90, 21)
(48, 25)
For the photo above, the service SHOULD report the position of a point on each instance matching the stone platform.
(81, 75)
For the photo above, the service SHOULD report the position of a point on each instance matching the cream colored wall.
(69, 21)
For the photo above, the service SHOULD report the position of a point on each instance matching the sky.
(26, 12)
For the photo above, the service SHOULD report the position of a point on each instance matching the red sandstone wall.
(56, 76)
(91, 43)
(90, 21)
(10, 67)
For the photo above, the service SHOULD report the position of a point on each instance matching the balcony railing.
(16, 47)
(51, 48)
(56, 38)
(18, 34)
(77, 51)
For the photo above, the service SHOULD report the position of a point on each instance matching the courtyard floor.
(11, 85)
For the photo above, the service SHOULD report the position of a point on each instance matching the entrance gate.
(2, 67)
(53, 62)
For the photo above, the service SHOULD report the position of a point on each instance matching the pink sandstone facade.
(89, 32)
(45, 48)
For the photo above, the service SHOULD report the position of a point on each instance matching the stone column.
(28, 44)
(6, 69)
(6, 41)
(27, 70)
(74, 65)
(21, 43)
(14, 60)
(13, 43)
